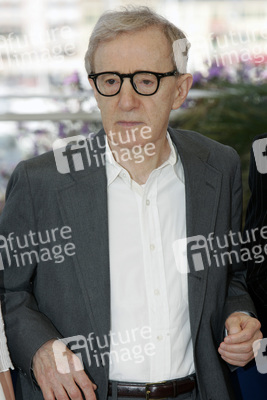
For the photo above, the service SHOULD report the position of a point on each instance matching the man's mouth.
(129, 124)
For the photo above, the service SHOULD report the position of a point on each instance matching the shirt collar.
(114, 169)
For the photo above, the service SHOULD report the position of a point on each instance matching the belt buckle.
(149, 391)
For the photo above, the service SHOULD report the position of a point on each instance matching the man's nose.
(129, 99)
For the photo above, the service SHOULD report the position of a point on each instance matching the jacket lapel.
(202, 186)
(83, 206)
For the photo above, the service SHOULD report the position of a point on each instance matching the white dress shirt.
(150, 329)
(5, 362)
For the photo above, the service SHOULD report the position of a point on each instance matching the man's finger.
(87, 387)
(237, 357)
(233, 325)
(235, 362)
(250, 330)
(239, 348)
(74, 392)
(48, 394)
(46, 385)
(241, 337)
(60, 393)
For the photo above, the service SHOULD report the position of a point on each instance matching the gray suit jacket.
(48, 299)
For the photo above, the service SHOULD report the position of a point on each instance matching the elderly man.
(140, 296)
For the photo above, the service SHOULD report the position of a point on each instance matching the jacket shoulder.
(217, 153)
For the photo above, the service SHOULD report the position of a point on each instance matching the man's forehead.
(142, 48)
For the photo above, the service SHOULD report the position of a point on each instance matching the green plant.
(233, 117)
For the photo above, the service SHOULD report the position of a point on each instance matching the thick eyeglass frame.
(131, 76)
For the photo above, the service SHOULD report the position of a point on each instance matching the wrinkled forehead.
(148, 49)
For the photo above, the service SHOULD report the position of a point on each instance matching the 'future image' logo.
(260, 353)
(260, 153)
(192, 251)
(72, 151)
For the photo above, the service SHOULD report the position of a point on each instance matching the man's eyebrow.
(106, 71)
(123, 73)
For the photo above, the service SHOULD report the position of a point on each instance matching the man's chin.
(127, 144)
(126, 126)
(128, 135)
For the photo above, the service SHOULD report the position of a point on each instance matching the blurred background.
(44, 92)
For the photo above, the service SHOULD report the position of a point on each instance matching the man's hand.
(243, 330)
(60, 375)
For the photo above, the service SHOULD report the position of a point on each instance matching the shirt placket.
(156, 281)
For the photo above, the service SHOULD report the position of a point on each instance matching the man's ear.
(184, 83)
(96, 94)
(92, 84)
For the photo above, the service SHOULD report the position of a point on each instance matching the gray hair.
(133, 19)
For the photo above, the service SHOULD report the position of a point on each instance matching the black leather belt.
(154, 390)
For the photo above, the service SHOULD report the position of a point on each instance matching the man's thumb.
(233, 325)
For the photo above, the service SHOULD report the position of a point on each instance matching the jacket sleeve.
(27, 329)
(238, 298)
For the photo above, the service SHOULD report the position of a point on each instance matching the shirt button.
(160, 337)
(156, 292)
(147, 202)
(152, 247)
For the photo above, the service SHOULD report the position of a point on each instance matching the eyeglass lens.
(109, 84)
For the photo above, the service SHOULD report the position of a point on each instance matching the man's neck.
(141, 167)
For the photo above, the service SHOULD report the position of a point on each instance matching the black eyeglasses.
(145, 83)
